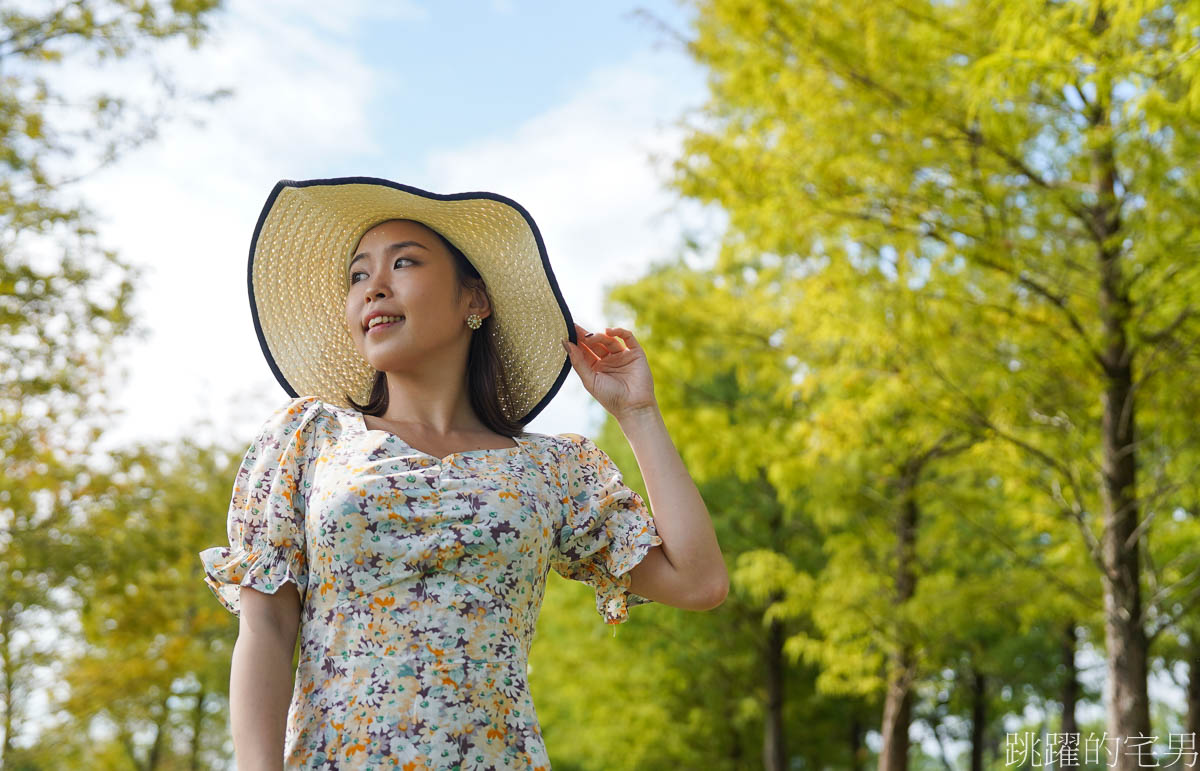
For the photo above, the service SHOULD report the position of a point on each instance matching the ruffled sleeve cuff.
(607, 529)
(613, 596)
(267, 510)
(227, 570)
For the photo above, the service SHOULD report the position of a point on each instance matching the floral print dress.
(421, 579)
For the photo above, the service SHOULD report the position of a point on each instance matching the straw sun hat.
(299, 279)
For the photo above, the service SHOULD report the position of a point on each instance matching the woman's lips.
(385, 325)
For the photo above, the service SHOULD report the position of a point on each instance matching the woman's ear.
(479, 303)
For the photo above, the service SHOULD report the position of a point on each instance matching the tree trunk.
(1070, 692)
(1193, 687)
(1125, 635)
(897, 715)
(857, 748)
(978, 719)
(775, 757)
(897, 706)
(774, 746)
(155, 754)
(197, 729)
(6, 651)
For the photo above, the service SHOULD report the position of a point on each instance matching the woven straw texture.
(300, 279)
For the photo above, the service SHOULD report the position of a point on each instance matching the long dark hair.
(485, 368)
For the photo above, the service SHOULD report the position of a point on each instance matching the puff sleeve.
(267, 511)
(606, 528)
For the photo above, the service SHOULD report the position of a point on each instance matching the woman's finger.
(600, 343)
(625, 335)
(594, 349)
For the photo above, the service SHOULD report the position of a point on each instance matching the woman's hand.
(613, 369)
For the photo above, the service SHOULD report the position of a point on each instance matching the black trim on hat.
(537, 235)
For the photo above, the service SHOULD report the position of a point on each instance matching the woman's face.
(402, 268)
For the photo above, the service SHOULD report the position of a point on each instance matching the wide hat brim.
(299, 279)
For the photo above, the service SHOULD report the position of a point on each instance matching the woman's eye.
(354, 280)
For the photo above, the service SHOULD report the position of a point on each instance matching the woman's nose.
(374, 288)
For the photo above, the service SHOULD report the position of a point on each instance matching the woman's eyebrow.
(393, 248)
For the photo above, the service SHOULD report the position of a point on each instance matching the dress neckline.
(362, 422)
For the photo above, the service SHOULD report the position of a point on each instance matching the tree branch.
(1058, 301)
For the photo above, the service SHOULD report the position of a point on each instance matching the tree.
(63, 296)
(676, 689)
(864, 531)
(156, 646)
(1032, 158)
(152, 668)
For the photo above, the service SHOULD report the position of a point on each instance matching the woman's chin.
(384, 363)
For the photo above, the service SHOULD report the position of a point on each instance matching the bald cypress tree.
(1033, 164)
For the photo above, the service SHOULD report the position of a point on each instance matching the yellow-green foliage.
(906, 309)
(65, 301)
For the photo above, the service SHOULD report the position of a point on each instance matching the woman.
(395, 514)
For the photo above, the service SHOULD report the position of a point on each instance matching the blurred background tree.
(64, 297)
(1025, 171)
(148, 684)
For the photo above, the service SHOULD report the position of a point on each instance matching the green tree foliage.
(63, 297)
(1028, 166)
(148, 687)
(728, 380)
(809, 404)
(671, 689)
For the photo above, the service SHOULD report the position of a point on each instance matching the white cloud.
(187, 206)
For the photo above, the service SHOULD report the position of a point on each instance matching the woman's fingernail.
(589, 334)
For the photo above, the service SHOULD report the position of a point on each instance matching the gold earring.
(473, 321)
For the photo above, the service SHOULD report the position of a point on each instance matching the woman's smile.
(377, 329)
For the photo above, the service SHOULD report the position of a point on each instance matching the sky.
(571, 109)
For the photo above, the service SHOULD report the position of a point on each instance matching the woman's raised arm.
(687, 571)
